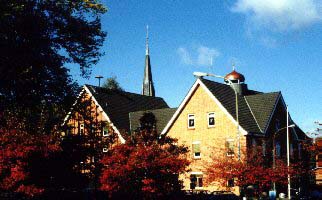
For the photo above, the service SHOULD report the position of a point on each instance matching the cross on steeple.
(147, 86)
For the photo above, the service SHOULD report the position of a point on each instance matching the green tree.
(37, 40)
(112, 84)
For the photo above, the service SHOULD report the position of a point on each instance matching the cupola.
(236, 81)
(234, 77)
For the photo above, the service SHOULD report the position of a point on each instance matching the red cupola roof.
(235, 77)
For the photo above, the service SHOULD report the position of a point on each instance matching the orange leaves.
(15, 149)
(255, 169)
(144, 167)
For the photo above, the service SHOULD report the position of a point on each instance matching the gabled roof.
(226, 96)
(118, 104)
(262, 106)
(254, 108)
(162, 117)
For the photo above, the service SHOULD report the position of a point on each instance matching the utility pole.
(99, 77)
(288, 155)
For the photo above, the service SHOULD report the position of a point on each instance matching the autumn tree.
(255, 169)
(87, 138)
(16, 149)
(38, 39)
(145, 167)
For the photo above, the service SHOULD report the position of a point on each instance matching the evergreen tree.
(112, 84)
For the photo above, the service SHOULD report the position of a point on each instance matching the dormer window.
(211, 119)
(191, 121)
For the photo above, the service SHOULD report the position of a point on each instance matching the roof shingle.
(254, 108)
(118, 104)
(162, 117)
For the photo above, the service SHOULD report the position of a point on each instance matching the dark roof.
(262, 106)
(118, 104)
(300, 133)
(162, 116)
(254, 108)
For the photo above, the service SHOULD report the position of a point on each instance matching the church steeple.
(147, 86)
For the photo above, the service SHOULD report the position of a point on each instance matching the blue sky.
(276, 44)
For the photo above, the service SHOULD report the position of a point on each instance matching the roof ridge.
(153, 109)
(251, 111)
(263, 93)
(122, 91)
(203, 79)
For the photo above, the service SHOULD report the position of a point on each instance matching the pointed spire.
(147, 86)
(147, 41)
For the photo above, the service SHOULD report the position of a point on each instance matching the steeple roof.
(147, 86)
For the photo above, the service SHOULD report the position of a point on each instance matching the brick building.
(206, 121)
(318, 163)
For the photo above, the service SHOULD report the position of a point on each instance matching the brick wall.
(212, 139)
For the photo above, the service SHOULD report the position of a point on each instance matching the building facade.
(207, 122)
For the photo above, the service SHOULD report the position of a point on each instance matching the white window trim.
(82, 128)
(198, 173)
(208, 116)
(230, 140)
(105, 133)
(105, 150)
(194, 156)
(194, 121)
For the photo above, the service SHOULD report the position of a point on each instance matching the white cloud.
(200, 56)
(206, 55)
(280, 15)
(268, 41)
(185, 56)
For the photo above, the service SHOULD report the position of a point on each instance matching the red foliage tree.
(144, 167)
(255, 169)
(16, 147)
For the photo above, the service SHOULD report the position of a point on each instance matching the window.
(278, 149)
(291, 151)
(300, 150)
(105, 131)
(196, 149)
(230, 147)
(191, 121)
(196, 181)
(264, 148)
(230, 182)
(254, 145)
(81, 129)
(277, 125)
(211, 119)
(105, 149)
